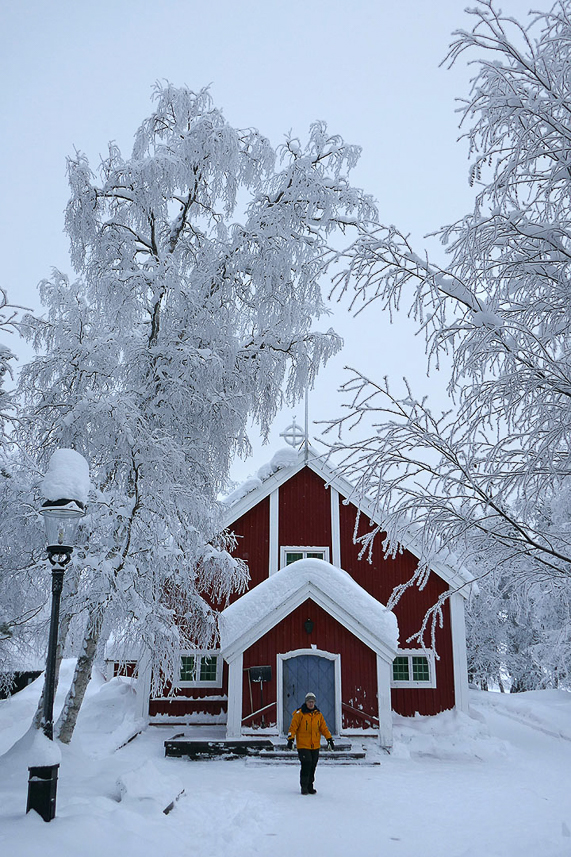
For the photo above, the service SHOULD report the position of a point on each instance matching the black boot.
(311, 790)
(304, 790)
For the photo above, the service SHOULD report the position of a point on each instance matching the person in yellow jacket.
(307, 726)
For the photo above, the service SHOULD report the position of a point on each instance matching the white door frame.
(320, 653)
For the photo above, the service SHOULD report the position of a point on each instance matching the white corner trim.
(335, 528)
(460, 660)
(143, 685)
(384, 673)
(274, 531)
(234, 715)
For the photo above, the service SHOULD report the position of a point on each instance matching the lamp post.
(61, 518)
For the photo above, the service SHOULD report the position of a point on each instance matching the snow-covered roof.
(287, 462)
(260, 609)
(286, 457)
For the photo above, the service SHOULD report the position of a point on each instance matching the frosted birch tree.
(198, 261)
(479, 478)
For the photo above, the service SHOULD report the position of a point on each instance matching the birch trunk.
(81, 677)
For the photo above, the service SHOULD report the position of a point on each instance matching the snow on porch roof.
(256, 612)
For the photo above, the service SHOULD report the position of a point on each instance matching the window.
(292, 554)
(200, 670)
(411, 669)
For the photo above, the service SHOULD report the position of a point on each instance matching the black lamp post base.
(42, 790)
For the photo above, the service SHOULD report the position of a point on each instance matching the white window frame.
(196, 654)
(303, 549)
(416, 653)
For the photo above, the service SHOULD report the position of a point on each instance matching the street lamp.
(61, 519)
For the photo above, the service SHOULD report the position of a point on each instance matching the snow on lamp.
(65, 487)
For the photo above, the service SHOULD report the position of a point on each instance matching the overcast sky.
(78, 74)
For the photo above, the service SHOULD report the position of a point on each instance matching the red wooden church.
(313, 618)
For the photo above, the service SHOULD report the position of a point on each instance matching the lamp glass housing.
(61, 519)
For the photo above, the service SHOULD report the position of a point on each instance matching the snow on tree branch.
(198, 262)
(489, 479)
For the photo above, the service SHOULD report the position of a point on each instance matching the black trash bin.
(42, 790)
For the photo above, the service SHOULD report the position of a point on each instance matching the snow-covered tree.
(24, 584)
(518, 634)
(198, 262)
(477, 479)
(23, 589)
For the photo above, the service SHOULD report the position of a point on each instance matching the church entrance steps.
(264, 750)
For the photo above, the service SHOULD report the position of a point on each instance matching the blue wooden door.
(304, 673)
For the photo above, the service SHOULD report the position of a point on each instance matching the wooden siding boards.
(305, 511)
(305, 520)
(379, 576)
(193, 700)
(253, 534)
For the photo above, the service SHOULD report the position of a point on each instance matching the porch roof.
(260, 609)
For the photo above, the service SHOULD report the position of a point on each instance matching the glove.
(330, 744)
(290, 744)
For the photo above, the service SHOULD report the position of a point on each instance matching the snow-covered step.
(185, 746)
(192, 748)
(343, 752)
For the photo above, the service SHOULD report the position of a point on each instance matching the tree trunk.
(81, 677)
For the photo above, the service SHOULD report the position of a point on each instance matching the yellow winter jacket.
(307, 727)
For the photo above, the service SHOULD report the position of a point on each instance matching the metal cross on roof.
(294, 435)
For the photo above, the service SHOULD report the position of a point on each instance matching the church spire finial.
(294, 435)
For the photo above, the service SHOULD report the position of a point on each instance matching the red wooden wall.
(193, 701)
(379, 577)
(253, 532)
(305, 511)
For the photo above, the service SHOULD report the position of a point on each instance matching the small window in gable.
(411, 669)
(200, 669)
(293, 554)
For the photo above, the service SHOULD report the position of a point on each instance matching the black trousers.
(308, 759)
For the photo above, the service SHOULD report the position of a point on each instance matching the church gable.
(303, 502)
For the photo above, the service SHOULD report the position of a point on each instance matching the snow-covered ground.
(496, 783)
